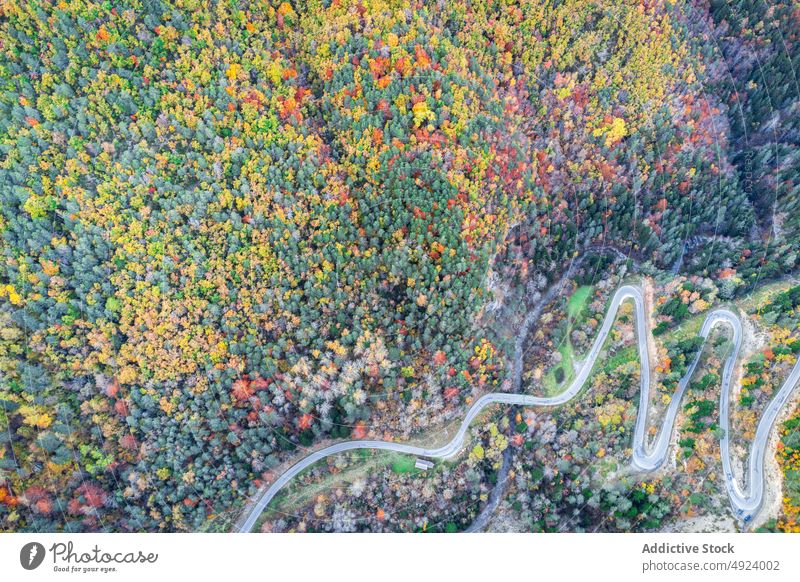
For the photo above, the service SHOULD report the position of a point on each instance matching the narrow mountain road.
(744, 501)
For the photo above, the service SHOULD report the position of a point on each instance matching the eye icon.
(31, 555)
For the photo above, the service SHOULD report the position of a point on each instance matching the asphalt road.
(745, 502)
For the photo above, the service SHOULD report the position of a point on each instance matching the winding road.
(744, 501)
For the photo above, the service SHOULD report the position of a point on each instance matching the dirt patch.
(656, 407)
(754, 339)
(649, 309)
(704, 524)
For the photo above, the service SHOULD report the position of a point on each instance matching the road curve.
(744, 501)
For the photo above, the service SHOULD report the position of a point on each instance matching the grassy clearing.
(687, 329)
(577, 302)
(561, 375)
(550, 381)
(623, 356)
(404, 464)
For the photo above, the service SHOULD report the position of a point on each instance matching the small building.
(422, 464)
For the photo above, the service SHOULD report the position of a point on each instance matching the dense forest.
(231, 230)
